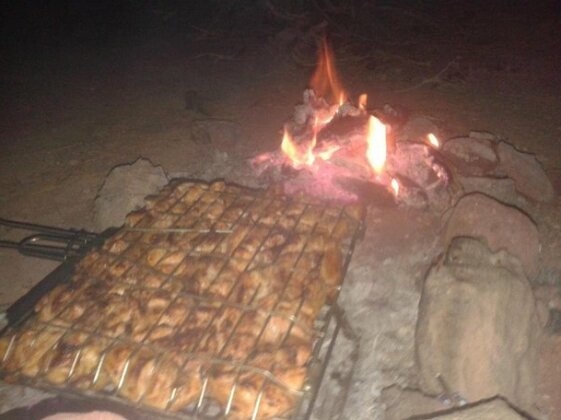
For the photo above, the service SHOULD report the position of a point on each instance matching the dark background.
(36, 25)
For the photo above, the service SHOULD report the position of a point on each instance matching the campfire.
(341, 151)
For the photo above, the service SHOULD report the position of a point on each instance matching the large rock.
(502, 189)
(405, 403)
(471, 156)
(417, 128)
(503, 227)
(528, 174)
(496, 409)
(477, 328)
(549, 386)
(124, 190)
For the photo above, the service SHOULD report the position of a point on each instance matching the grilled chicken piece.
(197, 273)
(272, 214)
(60, 361)
(173, 382)
(331, 269)
(272, 330)
(134, 218)
(137, 374)
(224, 283)
(88, 361)
(117, 244)
(268, 287)
(253, 390)
(251, 243)
(52, 303)
(29, 348)
(113, 365)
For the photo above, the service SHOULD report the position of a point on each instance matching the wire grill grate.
(212, 301)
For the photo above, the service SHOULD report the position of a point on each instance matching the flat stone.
(501, 226)
(416, 130)
(549, 300)
(465, 342)
(549, 403)
(554, 175)
(550, 295)
(471, 156)
(405, 403)
(528, 174)
(395, 115)
(502, 189)
(482, 135)
(495, 409)
(124, 190)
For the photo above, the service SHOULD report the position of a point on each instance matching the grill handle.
(48, 242)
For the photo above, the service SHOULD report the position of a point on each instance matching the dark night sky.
(54, 24)
(65, 22)
(30, 27)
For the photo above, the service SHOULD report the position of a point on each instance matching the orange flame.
(325, 81)
(298, 156)
(433, 140)
(376, 144)
(362, 100)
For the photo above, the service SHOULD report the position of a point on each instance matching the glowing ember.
(395, 187)
(299, 156)
(376, 144)
(326, 154)
(325, 81)
(433, 141)
(362, 100)
(342, 98)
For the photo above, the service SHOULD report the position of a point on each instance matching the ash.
(380, 298)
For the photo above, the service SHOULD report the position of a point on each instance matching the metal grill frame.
(320, 353)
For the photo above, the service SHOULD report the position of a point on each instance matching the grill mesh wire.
(208, 227)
